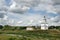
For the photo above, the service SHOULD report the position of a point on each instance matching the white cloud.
(28, 3)
(46, 6)
(54, 20)
(56, 2)
(11, 22)
(19, 22)
(15, 8)
(57, 5)
(25, 19)
(5, 17)
(23, 6)
(30, 19)
(3, 8)
(2, 2)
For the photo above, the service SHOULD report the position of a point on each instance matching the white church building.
(44, 24)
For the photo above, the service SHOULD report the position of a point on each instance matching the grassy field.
(30, 35)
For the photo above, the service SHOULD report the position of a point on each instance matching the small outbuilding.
(29, 28)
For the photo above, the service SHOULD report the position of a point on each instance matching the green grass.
(30, 35)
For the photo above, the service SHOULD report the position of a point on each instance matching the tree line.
(8, 27)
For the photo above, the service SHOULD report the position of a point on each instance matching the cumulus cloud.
(25, 19)
(3, 11)
(2, 14)
(5, 17)
(28, 3)
(3, 8)
(56, 2)
(57, 5)
(15, 8)
(10, 22)
(23, 6)
(48, 8)
(2, 2)
(54, 20)
(57, 19)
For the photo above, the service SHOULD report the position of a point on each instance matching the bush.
(1, 26)
(7, 27)
(52, 27)
(21, 28)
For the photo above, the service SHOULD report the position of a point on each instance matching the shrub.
(21, 28)
(7, 27)
(1, 26)
(52, 27)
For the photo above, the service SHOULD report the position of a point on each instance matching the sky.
(29, 12)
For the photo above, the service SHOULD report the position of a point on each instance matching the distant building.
(29, 28)
(44, 24)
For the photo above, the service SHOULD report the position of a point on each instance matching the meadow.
(23, 34)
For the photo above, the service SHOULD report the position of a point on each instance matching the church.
(44, 24)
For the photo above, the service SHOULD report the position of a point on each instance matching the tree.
(52, 27)
(7, 27)
(1, 26)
